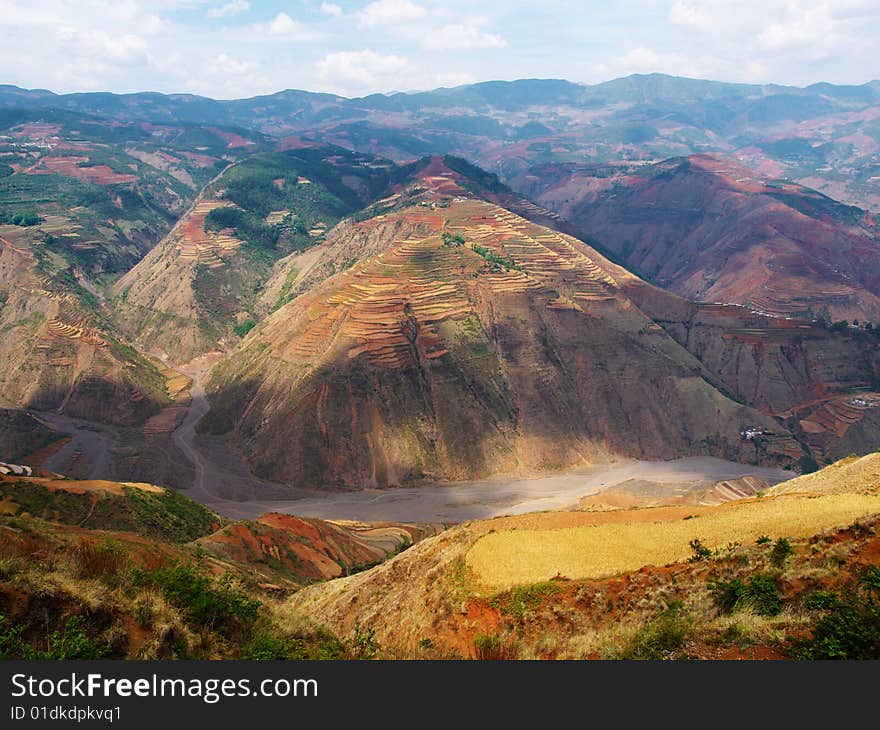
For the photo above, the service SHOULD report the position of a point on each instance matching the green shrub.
(363, 645)
(495, 258)
(71, 642)
(851, 627)
(11, 644)
(761, 592)
(662, 637)
(242, 329)
(727, 594)
(822, 601)
(734, 634)
(519, 600)
(205, 601)
(700, 551)
(453, 239)
(808, 464)
(266, 646)
(781, 550)
(493, 647)
(20, 219)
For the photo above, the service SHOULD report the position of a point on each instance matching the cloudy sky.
(238, 48)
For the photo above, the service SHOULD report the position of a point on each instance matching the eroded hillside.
(710, 229)
(201, 287)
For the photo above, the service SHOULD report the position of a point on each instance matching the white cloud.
(389, 12)
(283, 27)
(283, 24)
(225, 76)
(641, 59)
(231, 8)
(688, 15)
(331, 9)
(462, 36)
(123, 50)
(360, 70)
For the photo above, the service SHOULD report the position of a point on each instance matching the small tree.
(781, 550)
(453, 240)
(701, 552)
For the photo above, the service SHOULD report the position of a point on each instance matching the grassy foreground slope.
(794, 576)
(850, 475)
(92, 569)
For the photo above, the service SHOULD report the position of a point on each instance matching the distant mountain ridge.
(823, 135)
(507, 95)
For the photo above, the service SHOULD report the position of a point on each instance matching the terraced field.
(196, 245)
(836, 426)
(389, 306)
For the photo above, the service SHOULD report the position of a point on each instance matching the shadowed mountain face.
(710, 229)
(468, 340)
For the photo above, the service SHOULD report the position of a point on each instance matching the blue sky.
(240, 48)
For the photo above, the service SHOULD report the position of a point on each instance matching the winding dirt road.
(85, 455)
(184, 438)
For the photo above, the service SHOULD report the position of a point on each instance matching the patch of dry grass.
(852, 474)
(501, 560)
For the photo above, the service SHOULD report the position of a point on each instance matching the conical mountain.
(466, 340)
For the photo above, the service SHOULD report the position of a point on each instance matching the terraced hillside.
(199, 288)
(776, 364)
(710, 229)
(81, 201)
(471, 342)
(58, 353)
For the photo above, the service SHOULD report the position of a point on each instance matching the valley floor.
(504, 495)
(224, 484)
(217, 478)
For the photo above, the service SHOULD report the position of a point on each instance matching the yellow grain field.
(515, 557)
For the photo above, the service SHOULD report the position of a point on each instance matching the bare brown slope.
(709, 229)
(306, 549)
(435, 361)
